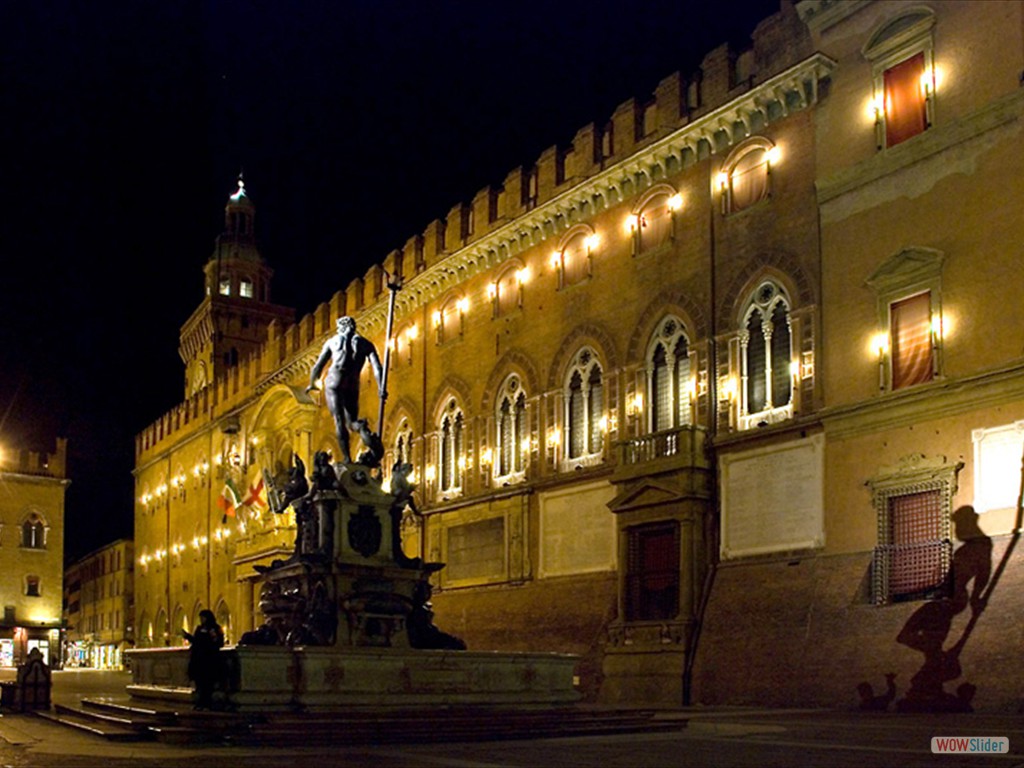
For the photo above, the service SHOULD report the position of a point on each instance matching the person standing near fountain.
(204, 663)
(347, 353)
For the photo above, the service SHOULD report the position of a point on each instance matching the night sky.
(123, 127)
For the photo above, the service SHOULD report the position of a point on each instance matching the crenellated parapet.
(41, 463)
(687, 119)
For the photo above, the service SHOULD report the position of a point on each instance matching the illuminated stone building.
(694, 395)
(32, 552)
(98, 607)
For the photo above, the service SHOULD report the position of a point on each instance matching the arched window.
(448, 320)
(33, 532)
(654, 223)
(584, 409)
(767, 387)
(510, 421)
(746, 175)
(575, 259)
(668, 376)
(507, 292)
(403, 443)
(452, 448)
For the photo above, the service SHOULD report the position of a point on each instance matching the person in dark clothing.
(205, 668)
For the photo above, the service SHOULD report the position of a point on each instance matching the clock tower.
(231, 322)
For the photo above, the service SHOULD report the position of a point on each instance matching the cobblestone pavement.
(718, 738)
(712, 738)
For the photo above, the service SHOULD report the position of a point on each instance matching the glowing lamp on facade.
(437, 318)
(525, 445)
(487, 457)
(462, 462)
(603, 423)
(591, 242)
(930, 80)
(556, 260)
(492, 290)
(463, 305)
(632, 223)
(412, 332)
(880, 344)
(431, 473)
(723, 180)
(554, 437)
(522, 275)
(635, 405)
(794, 369)
(774, 156)
(691, 388)
(675, 203)
(728, 389)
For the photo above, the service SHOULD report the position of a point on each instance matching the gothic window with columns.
(452, 450)
(33, 533)
(511, 429)
(668, 377)
(766, 358)
(584, 406)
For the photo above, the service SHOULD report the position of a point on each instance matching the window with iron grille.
(652, 572)
(912, 559)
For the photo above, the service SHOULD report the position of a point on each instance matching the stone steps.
(117, 721)
(109, 727)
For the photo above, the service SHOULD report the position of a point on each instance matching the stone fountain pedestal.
(348, 620)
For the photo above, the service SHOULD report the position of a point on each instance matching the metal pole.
(394, 286)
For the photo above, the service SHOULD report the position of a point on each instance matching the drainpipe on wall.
(710, 526)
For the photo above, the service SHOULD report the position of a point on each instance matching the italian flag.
(230, 499)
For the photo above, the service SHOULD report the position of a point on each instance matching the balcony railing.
(685, 441)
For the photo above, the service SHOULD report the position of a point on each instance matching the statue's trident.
(394, 286)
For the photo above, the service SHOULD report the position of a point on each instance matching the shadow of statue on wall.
(971, 584)
(928, 628)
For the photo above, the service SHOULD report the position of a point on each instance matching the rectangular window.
(32, 586)
(906, 106)
(914, 552)
(919, 551)
(912, 350)
(652, 572)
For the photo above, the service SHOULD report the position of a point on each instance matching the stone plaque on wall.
(577, 530)
(997, 466)
(476, 551)
(773, 498)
